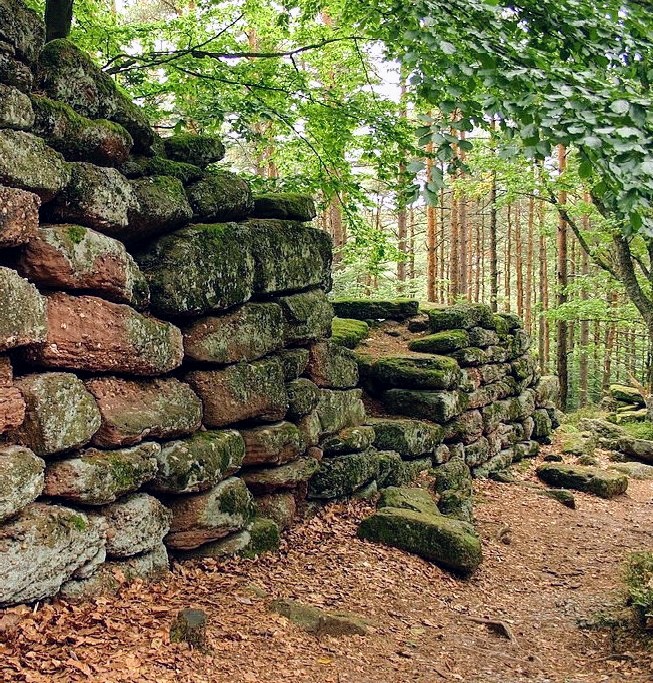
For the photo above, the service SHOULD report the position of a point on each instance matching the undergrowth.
(639, 584)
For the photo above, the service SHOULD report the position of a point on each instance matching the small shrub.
(640, 430)
(639, 583)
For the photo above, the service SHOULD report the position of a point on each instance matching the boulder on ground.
(220, 196)
(342, 475)
(332, 366)
(546, 391)
(319, 621)
(60, 413)
(199, 462)
(634, 470)
(415, 372)
(21, 479)
(72, 257)
(606, 484)
(438, 406)
(99, 477)
(274, 444)
(283, 478)
(206, 517)
(279, 507)
(19, 217)
(241, 392)
(135, 524)
(308, 316)
(23, 319)
(348, 332)
(288, 206)
(627, 394)
(133, 410)
(199, 150)
(410, 438)
(637, 449)
(45, 546)
(90, 334)
(379, 309)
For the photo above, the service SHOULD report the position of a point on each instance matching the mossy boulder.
(16, 110)
(23, 319)
(244, 334)
(242, 392)
(546, 391)
(438, 406)
(15, 73)
(27, 163)
(79, 138)
(482, 337)
(285, 205)
(283, 478)
(75, 258)
(21, 479)
(576, 443)
(263, 538)
(441, 342)
(404, 498)
(472, 356)
(220, 196)
(376, 309)
(466, 427)
(137, 166)
(444, 541)
(206, 517)
(66, 74)
(338, 409)
(293, 362)
(636, 449)
(199, 269)
(319, 621)
(410, 438)
(602, 483)
(456, 505)
(60, 413)
(496, 463)
(274, 444)
(198, 150)
(342, 475)
(526, 449)
(279, 507)
(391, 470)
(303, 397)
(543, 427)
(23, 29)
(98, 477)
(19, 219)
(454, 475)
(161, 207)
(308, 316)
(332, 366)
(627, 394)
(631, 416)
(198, 463)
(634, 470)
(461, 316)
(348, 332)
(349, 440)
(415, 372)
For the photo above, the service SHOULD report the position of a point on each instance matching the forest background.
(430, 183)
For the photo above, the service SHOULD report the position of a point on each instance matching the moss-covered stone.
(338, 409)
(137, 166)
(206, 517)
(308, 316)
(23, 318)
(244, 334)
(60, 414)
(279, 507)
(349, 440)
(294, 362)
(471, 356)
(415, 372)
(348, 332)
(15, 73)
(161, 206)
(310, 428)
(22, 28)
(457, 505)
(627, 394)
(525, 449)
(21, 479)
(461, 316)
(342, 475)
(283, 478)
(376, 309)
(447, 542)
(418, 500)
(634, 470)
(303, 397)
(27, 163)
(198, 463)
(441, 342)
(220, 196)
(510, 320)
(16, 110)
(606, 484)
(413, 468)
(199, 269)
(66, 74)
(285, 205)
(454, 475)
(391, 470)
(75, 258)
(543, 427)
(332, 366)
(263, 538)
(319, 621)
(466, 427)
(497, 463)
(274, 444)
(410, 438)
(19, 219)
(438, 406)
(98, 477)
(199, 150)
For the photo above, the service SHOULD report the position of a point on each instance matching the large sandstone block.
(285, 205)
(60, 414)
(349, 440)
(19, 216)
(332, 366)
(245, 334)
(303, 397)
(161, 207)
(602, 483)
(274, 444)
(23, 318)
(75, 258)
(337, 410)
(289, 256)
(417, 371)
(12, 408)
(410, 438)
(96, 197)
(21, 480)
(461, 316)
(15, 109)
(198, 150)
(67, 74)
(376, 309)
(45, 546)
(439, 406)
(279, 507)
(344, 474)
(210, 516)
(135, 524)
(133, 410)
(13, 72)
(198, 463)
(199, 269)
(78, 138)
(220, 196)
(308, 316)
(27, 163)
(22, 28)
(241, 392)
(90, 334)
(100, 477)
(283, 478)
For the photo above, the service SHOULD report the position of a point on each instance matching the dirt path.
(560, 568)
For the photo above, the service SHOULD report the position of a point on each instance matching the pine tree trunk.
(454, 240)
(519, 266)
(561, 289)
(494, 270)
(507, 261)
(528, 301)
(583, 360)
(543, 323)
(431, 237)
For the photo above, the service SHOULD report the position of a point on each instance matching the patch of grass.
(590, 412)
(639, 584)
(640, 430)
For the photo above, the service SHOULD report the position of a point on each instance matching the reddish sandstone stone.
(19, 216)
(12, 409)
(90, 334)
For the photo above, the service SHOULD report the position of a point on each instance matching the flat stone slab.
(285, 205)
(379, 309)
(602, 483)
(409, 438)
(283, 478)
(438, 406)
(274, 444)
(415, 372)
(342, 475)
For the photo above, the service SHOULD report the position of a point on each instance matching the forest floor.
(554, 575)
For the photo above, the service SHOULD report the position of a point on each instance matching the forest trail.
(554, 570)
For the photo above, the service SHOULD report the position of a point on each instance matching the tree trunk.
(519, 266)
(528, 301)
(583, 361)
(58, 19)
(494, 270)
(431, 234)
(543, 325)
(561, 287)
(507, 262)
